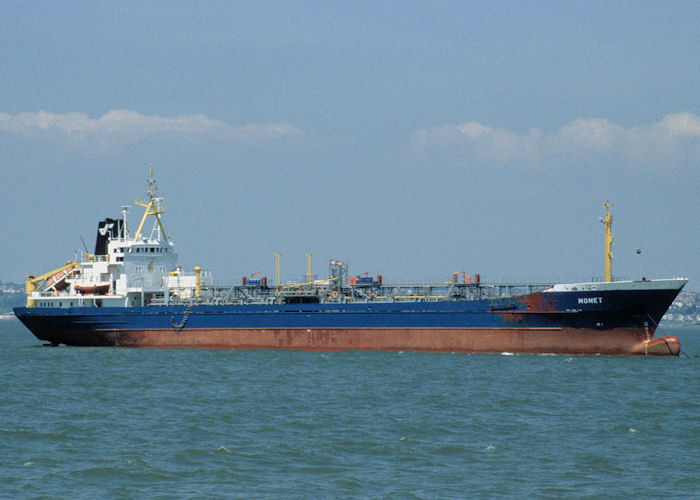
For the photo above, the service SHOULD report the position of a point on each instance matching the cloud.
(497, 143)
(124, 124)
(674, 139)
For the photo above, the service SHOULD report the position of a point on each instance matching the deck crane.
(33, 283)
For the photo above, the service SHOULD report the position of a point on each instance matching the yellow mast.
(308, 275)
(152, 208)
(608, 242)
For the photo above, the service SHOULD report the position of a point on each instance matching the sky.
(410, 139)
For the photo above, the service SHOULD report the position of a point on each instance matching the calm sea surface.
(146, 423)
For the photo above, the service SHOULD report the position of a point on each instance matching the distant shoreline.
(679, 324)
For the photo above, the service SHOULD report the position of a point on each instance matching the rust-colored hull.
(623, 341)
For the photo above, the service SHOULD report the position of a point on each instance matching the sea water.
(185, 423)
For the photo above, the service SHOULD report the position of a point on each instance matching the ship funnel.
(106, 230)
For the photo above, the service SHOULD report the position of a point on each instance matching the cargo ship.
(131, 292)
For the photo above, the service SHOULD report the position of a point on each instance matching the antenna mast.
(153, 207)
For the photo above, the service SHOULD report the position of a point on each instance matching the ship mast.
(153, 207)
(608, 242)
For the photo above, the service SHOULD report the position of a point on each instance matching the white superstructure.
(128, 271)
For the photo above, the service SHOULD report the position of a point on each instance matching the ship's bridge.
(123, 250)
(146, 260)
